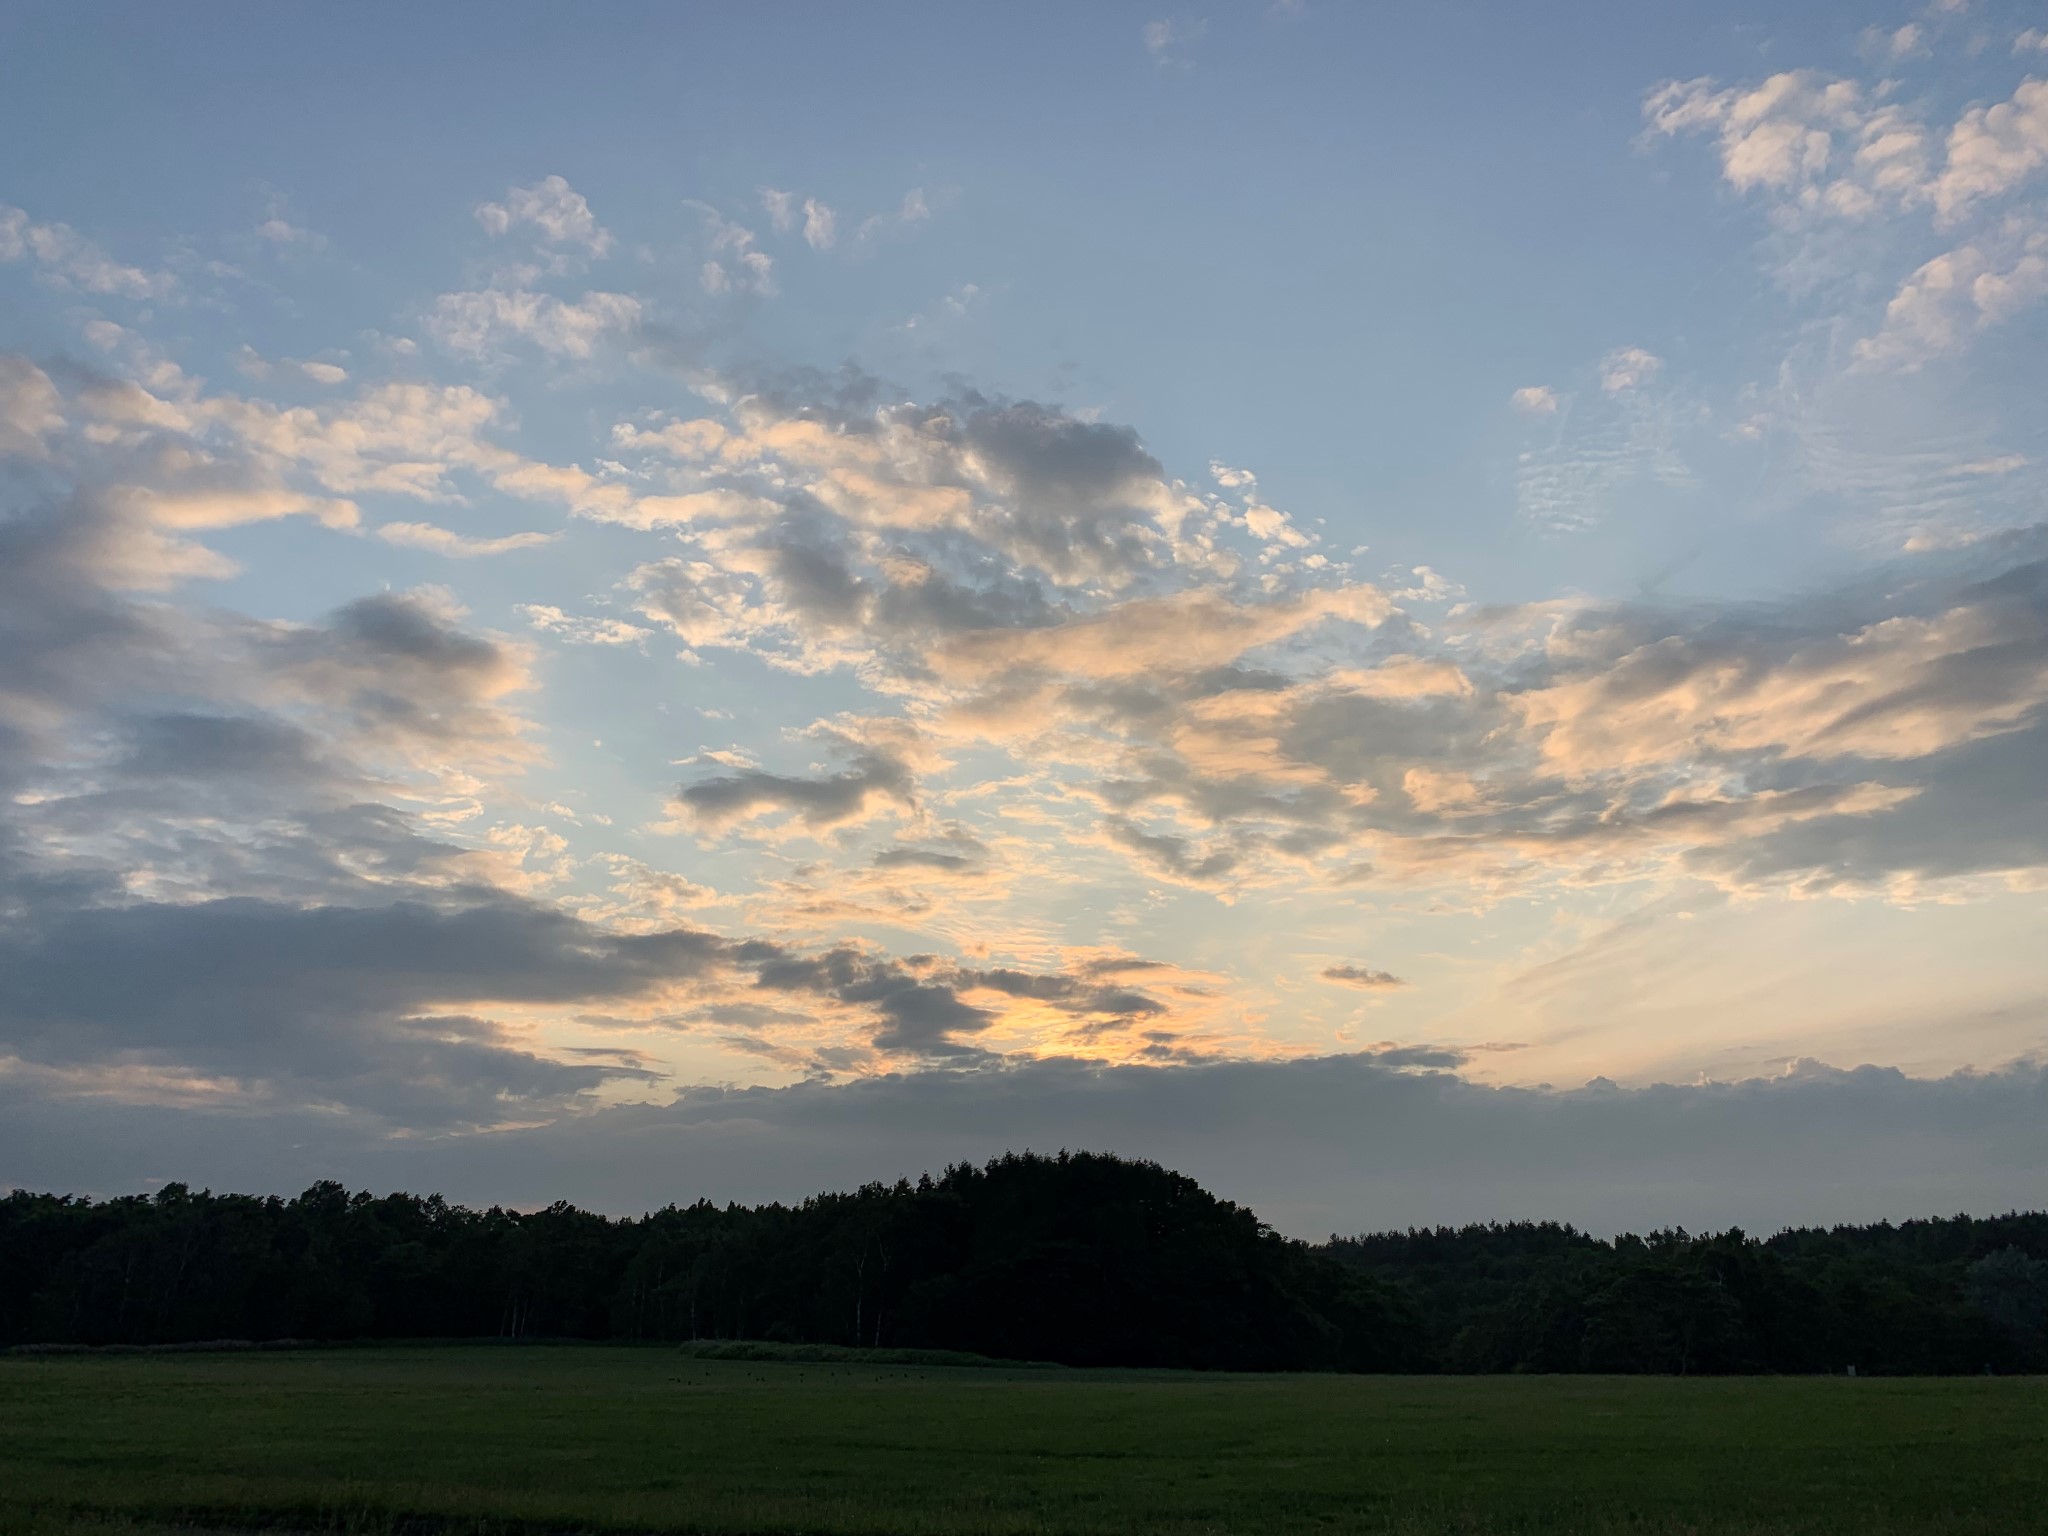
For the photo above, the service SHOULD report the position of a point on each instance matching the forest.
(1077, 1259)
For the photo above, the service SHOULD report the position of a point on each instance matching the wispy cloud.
(69, 259)
(555, 211)
(1170, 41)
(1361, 976)
(442, 541)
(736, 264)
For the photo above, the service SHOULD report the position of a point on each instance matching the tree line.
(1083, 1259)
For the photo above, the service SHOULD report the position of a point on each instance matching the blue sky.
(1042, 557)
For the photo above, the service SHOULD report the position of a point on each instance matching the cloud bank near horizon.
(1338, 1144)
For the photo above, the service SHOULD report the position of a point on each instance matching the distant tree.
(1078, 1257)
(2010, 1290)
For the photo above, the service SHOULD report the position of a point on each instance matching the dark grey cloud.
(1170, 853)
(1362, 976)
(1078, 496)
(918, 1004)
(744, 1014)
(922, 858)
(220, 747)
(1080, 994)
(816, 581)
(325, 1004)
(1438, 1057)
(399, 670)
(1075, 499)
(1979, 808)
(935, 601)
(814, 589)
(68, 637)
(918, 1016)
(826, 801)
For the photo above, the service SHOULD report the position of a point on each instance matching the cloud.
(1078, 501)
(922, 858)
(915, 209)
(1627, 742)
(1169, 41)
(2003, 464)
(1992, 150)
(1628, 368)
(1321, 1145)
(65, 257)
(876, 779)
(442, 541)
(918, 1016)
(1822, 147)
(1833, 149)
(399, 439)
(216, 460)
(1832, 152)
(400, 673)
(1535, 400)
(29, 411)
(1361, 976)
(553, 208)
(295, 1006)
(1191, 632)
(1901, 237)
(820, 225)
(1906, 42)
(735, 265)
(475, 322)
(1958, 294)
(550, 620)
(1171, 855)
(921, 1009)
(1606, 450)
(1901, 688)
(280, 231)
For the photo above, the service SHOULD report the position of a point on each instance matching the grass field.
(552, 1438)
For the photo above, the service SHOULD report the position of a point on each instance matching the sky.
(1427, 613)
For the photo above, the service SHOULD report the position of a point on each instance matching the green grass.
(537, 1439)
(840, 1354)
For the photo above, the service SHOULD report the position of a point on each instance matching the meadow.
(552, 1438)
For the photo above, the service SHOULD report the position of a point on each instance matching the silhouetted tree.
(1083, 1258)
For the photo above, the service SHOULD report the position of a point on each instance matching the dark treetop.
(1082, 1258)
